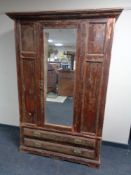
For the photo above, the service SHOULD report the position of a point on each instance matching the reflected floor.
(60, 113)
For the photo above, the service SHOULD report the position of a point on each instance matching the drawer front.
(60, 148)
(57, 137)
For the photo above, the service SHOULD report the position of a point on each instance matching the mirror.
(59, 71)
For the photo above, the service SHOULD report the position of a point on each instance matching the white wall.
(40, 5)
(8, 83)
(118, 106)
(117, 114)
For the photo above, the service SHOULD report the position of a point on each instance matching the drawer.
(60, 148)
(63, 138)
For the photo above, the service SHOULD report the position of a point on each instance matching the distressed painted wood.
(60, 148)
(70, 14)
(81, 142)
(57, 137)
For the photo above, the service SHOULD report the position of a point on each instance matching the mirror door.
(59, 75)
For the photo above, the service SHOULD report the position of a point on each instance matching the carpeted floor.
(115, 161)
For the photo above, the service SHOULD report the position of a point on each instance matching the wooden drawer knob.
(77, 140)
(37, 144)
(36, 133)
(30, 114)
(77, 151)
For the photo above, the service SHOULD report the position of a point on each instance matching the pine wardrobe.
(63, 60)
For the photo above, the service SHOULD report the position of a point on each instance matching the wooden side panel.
(29, 91)
(92, 79)
(105, 72)
(94, 64)
(28, 67)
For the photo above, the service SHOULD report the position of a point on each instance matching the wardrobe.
(78, 140)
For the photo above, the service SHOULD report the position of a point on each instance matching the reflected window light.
(58, 44)
(50, 40)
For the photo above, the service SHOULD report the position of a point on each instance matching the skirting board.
(107, 143)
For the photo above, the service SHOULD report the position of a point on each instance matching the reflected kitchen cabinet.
(63, 63)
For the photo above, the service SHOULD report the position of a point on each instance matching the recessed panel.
(28, 38)
(90, 101)
(29, 91)
(96, 38)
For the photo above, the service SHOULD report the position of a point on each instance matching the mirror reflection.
(59, 61)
